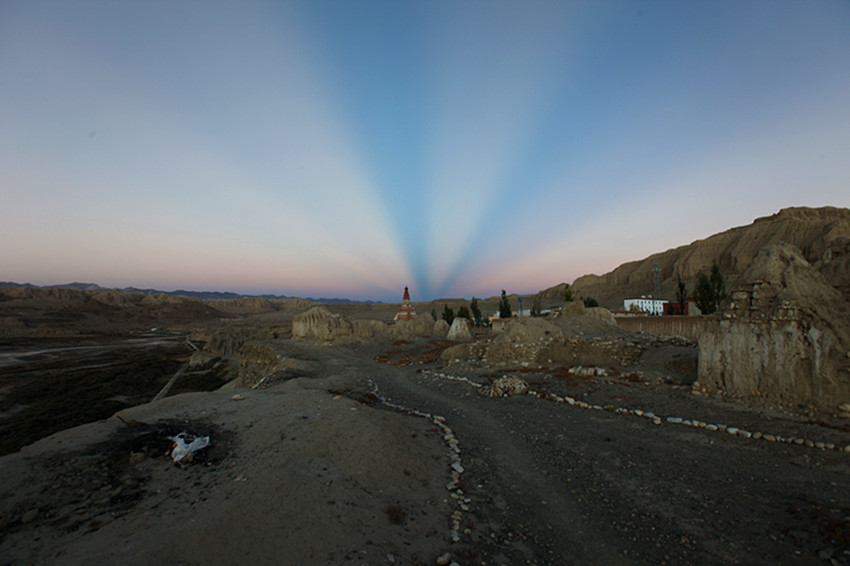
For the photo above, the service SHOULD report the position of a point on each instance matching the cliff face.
(782, 338)
(816, 232)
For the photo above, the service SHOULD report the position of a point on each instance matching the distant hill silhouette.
(209, 295)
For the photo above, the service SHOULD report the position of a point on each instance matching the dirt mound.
(521, 341)
(422, 325)
(459, 330)
(782, 338)
(441, 328)
(577, 320)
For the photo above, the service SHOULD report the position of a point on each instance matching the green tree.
(718, 285)
(448, 314)
(463, 312)
(710, 290)
(590, 302)
(703, 295)
(681, 293)
(568, 293)
(504, 306)
(476, 312)
(434, 314)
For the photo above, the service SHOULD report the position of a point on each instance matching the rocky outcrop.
(320, 324)
(812, 230)
(783, 337)
(226, 341)
(459, 330)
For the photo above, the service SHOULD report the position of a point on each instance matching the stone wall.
(689, 327)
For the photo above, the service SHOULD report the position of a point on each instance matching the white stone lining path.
(455, 469)
(657, 420)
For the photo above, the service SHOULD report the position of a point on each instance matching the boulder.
(782, 338)
(459, 330)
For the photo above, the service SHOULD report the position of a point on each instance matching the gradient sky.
(351, 148)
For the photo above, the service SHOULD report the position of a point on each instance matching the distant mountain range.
(208, 295)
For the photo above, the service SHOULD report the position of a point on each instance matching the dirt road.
(553, 483)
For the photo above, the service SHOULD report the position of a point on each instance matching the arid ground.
(373, 452)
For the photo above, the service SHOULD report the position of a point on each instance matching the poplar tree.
(476, 312)
(504, 306)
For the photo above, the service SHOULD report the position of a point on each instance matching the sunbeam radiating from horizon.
(350, 149)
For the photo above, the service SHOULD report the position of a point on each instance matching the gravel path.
(552, 483)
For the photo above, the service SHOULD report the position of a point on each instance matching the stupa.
(406, 311)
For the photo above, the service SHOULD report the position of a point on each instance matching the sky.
(351, 148)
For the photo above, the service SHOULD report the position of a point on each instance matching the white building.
(645, 304)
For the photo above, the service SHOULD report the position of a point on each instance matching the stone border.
(657, 420)
(455, 468)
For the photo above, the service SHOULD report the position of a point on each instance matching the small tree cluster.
(463, 312)
(568, 293)
(448, 314)
(590, 302)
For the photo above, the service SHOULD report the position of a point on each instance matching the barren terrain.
(374, 452)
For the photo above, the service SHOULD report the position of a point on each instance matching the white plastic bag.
(184, 445)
